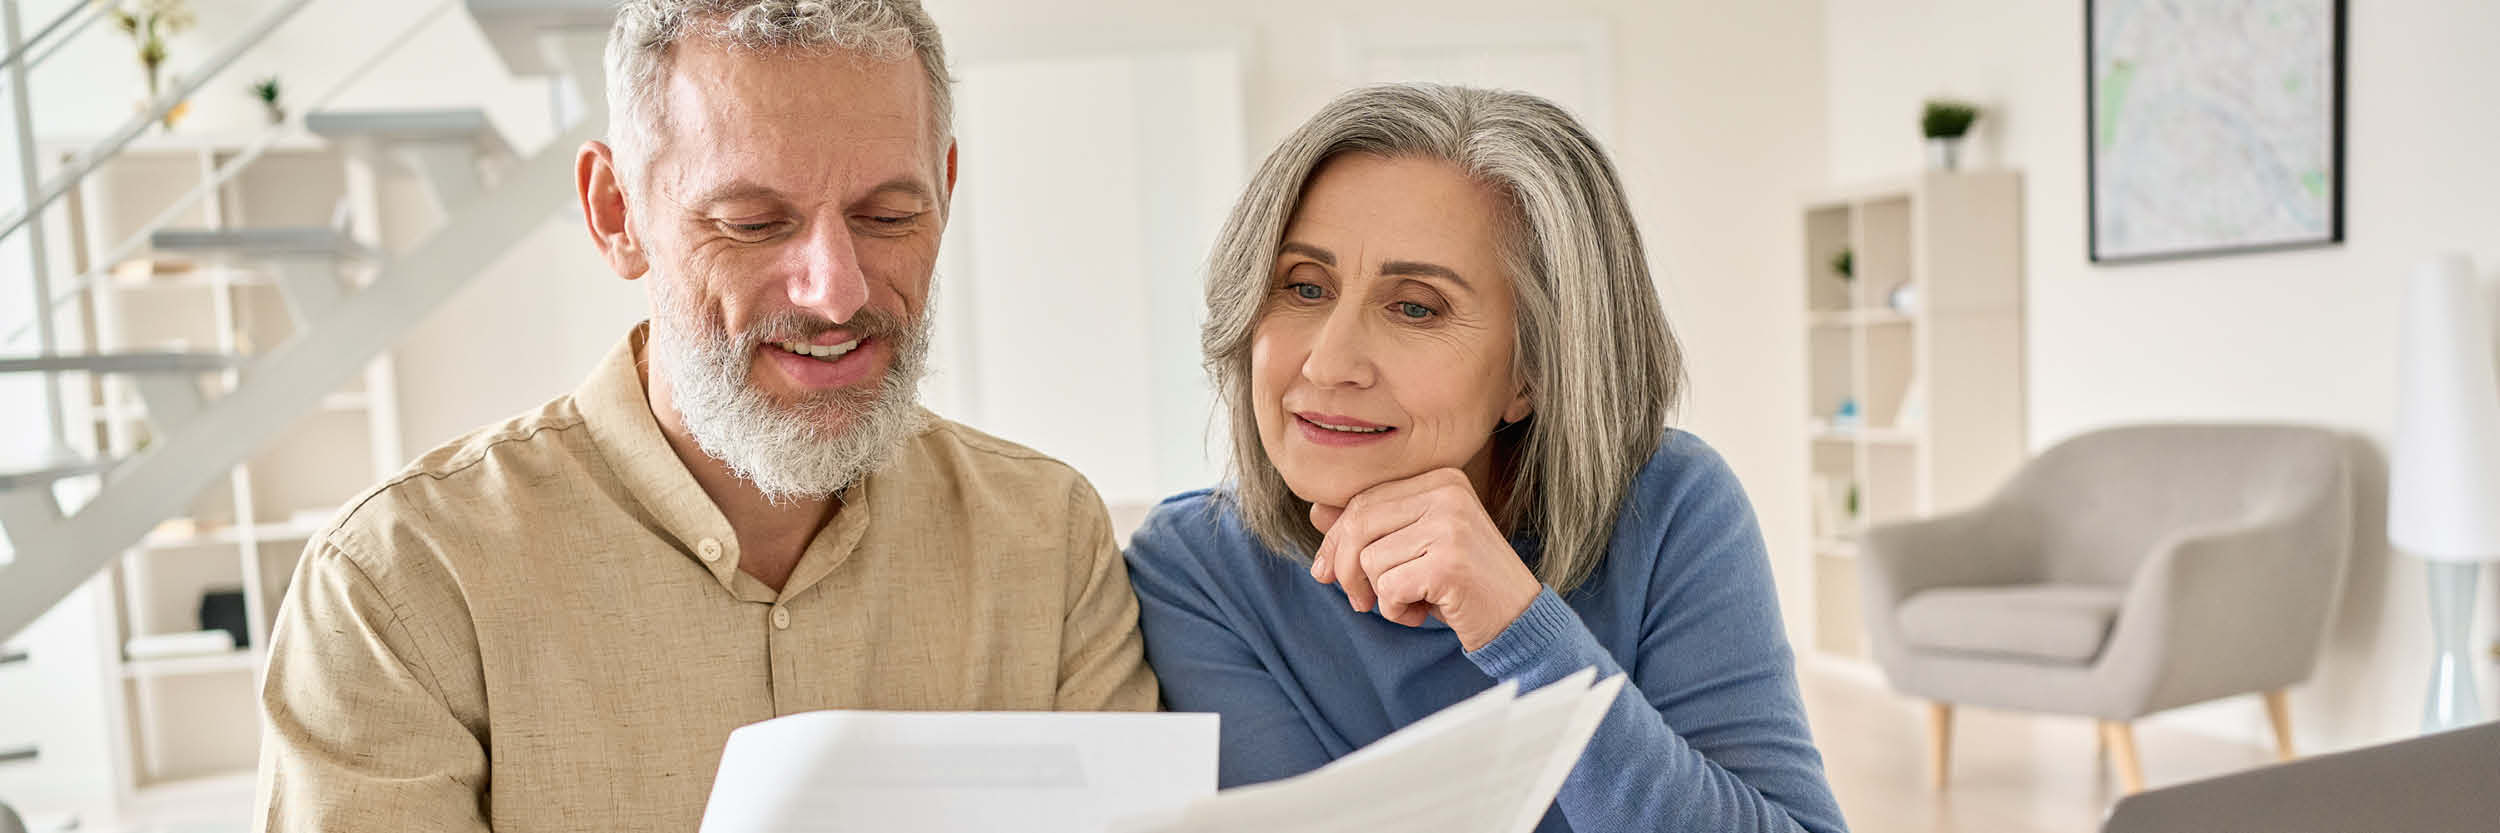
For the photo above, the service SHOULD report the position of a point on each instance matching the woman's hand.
(1424, 545)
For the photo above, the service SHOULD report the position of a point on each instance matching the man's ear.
(1520, 406)
(603, 210)
(950, 171)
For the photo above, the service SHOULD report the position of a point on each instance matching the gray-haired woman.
(1449, 382)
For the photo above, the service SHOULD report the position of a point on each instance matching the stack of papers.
(1490, 764)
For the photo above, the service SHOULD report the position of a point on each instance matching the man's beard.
(811, 449)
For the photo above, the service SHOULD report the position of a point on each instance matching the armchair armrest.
(1986, 545)
(2225, 610)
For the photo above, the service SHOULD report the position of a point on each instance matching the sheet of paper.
(958, 772)
(1490, 764)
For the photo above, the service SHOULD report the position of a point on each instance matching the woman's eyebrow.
(1325, 257)
(1416, 267)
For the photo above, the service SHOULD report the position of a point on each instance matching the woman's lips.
(1336, 430)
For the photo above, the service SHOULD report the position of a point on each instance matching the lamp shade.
(2443, 496)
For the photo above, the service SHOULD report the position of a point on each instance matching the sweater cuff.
(1535, 637)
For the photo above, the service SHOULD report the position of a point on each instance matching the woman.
(1449, 381)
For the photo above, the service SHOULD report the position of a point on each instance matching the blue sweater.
(1709, 736)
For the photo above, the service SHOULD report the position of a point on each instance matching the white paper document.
(1489, 764)
(957, 772)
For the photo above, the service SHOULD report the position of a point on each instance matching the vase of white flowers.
(150, 23)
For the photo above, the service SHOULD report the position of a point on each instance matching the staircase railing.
(195, 440)
(67, 291)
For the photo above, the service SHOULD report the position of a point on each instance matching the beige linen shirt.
(542, 626)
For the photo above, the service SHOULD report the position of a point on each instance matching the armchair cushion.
(2051, 623)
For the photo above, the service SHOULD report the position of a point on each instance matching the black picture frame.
(2337, 67)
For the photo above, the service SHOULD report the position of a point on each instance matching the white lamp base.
(2453, 701)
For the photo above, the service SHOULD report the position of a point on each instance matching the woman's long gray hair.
(1603, 372)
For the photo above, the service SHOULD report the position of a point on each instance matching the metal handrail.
(66, 37)
(94, 9)
(68, 290)
(184, 86)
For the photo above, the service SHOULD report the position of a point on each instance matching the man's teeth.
(1350, 429)
(829, 351)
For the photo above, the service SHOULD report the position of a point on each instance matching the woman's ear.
(1520, 407)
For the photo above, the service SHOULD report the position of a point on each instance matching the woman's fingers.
(1366, 519)
(1405, 592)
(1324, 518)
(1397, 548)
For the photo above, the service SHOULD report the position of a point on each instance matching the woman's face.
(1384, 348)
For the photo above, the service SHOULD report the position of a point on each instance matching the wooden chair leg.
(2121, 740)
(1939, 742)
(2279, 707)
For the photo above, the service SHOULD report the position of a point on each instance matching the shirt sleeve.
(1207, 667)
(1711, 733)
(359, 735)
(1102, 660)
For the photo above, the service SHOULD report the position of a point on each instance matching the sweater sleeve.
(1205, 666)
(1711, 733)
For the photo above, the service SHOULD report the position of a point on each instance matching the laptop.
(2439, 783)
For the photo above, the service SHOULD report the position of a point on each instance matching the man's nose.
(829, 281)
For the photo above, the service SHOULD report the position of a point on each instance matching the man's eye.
(1307, 291)
(750, 229)
(1413, 311)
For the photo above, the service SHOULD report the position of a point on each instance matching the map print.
(2213, 125)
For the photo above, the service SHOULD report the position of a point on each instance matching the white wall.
(2307, 336)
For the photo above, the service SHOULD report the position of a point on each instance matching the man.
(555, 622)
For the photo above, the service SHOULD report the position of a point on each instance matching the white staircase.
(490, 197)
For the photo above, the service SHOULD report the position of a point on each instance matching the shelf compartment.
(239, 659)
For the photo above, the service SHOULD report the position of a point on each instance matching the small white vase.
(1944, 153)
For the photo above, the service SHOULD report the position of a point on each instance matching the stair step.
(443, 146)
(431, 125)
(514, 27)
(258, 242)
(144, 361)
(44, 476)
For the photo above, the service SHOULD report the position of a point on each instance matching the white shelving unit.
(180, 722)
(1937, 383)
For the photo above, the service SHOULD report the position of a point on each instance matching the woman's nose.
(1339, 355)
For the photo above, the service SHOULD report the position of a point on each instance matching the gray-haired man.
(555, 622)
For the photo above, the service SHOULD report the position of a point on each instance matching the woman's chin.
(1323, 493)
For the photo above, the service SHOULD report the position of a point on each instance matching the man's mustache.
(799, 325)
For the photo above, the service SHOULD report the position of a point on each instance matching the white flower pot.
(1944, 154)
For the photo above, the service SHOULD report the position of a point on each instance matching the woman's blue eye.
(1309, 292)
(1414, 310)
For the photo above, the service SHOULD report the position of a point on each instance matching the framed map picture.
(2215, 126)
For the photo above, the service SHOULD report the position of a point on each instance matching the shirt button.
(781, 618)
(709, 549)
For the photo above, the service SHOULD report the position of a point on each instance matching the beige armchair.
(2123, 572)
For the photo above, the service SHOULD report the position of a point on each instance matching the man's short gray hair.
(646, 31)
(1603, 371)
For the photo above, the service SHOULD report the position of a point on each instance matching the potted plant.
(267, 91)
(149, 23)
(1945, 122)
